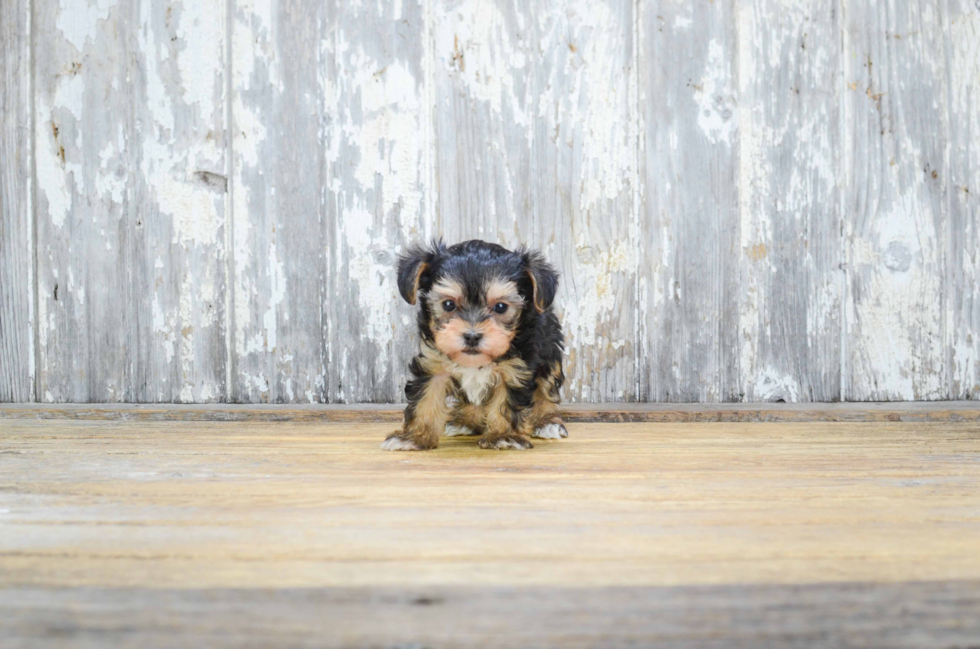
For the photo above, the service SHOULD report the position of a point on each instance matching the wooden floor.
(190, 533)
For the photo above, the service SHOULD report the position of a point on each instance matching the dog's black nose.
(472, 338)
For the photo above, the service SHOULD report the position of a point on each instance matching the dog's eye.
(500, 307)
(449, 305)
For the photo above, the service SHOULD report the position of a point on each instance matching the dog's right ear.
(544, 278)
(412, 266)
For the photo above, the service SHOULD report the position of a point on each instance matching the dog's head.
(475, 297)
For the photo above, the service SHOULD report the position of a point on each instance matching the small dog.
(490, 348)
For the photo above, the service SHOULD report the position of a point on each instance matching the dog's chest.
(475, 382)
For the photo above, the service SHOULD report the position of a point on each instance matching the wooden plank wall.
(761, 200)
(16, 195)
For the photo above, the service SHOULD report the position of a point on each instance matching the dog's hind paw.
(550, 431)
(456, 431)
(396, 443)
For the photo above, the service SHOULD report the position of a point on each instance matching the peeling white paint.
(550, 94)
(389, 138)
(78, 20)
(769, 385)
(898, 316)
(57, 164)
(713, 95)
(474, 43)
(200, 57)
(596, 301)
(963, 188)
(682, 22)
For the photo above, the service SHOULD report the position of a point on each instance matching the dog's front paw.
(456, 431)
(516, 442)
(550, 431)
(396, 443)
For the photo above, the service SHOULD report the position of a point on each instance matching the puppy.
(490, 347)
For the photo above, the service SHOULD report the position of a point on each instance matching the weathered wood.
(16, 199)
(585, 170)
(126, 504)
(179, 110)
(85, 226)
(279, 226)
(962, 287)
(536, 130)
(688, 279)
(896, 213)
(765, 201)
(816, 616)
(909, 411)
(379, 192)
(788, 184)
(483, 86)
(622, 535)
(129, 118)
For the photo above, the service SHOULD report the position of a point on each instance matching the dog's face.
(473, 296)
(474, 327)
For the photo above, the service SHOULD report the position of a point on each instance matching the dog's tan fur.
(495, 418)
(497, 329)
(545, 409)
(432, 412)
(473, 370)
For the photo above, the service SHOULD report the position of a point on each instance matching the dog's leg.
(545, 414)
(466, 419)
(506, 428)
(425, 416)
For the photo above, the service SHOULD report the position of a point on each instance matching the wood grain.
(16, 200)
(379, 192)
(87, 329)
(827, 520)
(789, 194)
(585, 199)
(756, 201)
(279, 265)
(179, 117)
(129, 115)
(896, 130)
(483, 88)
(688, 278)
(294, 505)
(536, 130)
(963, 190)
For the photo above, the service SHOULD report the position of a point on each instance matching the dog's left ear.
(544, 279)
(412, 266)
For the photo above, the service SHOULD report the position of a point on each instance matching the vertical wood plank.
(484, 82)
(585, 182)
(180, 199)
(789, 196)
(378, 201)
(689, 259)
(86, 320)
(535, 122)
(129, 116)
(330, 174)
(279, 228)
(963, 262)
(895, 201)
(16, 237)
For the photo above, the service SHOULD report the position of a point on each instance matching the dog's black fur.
(534, 356)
